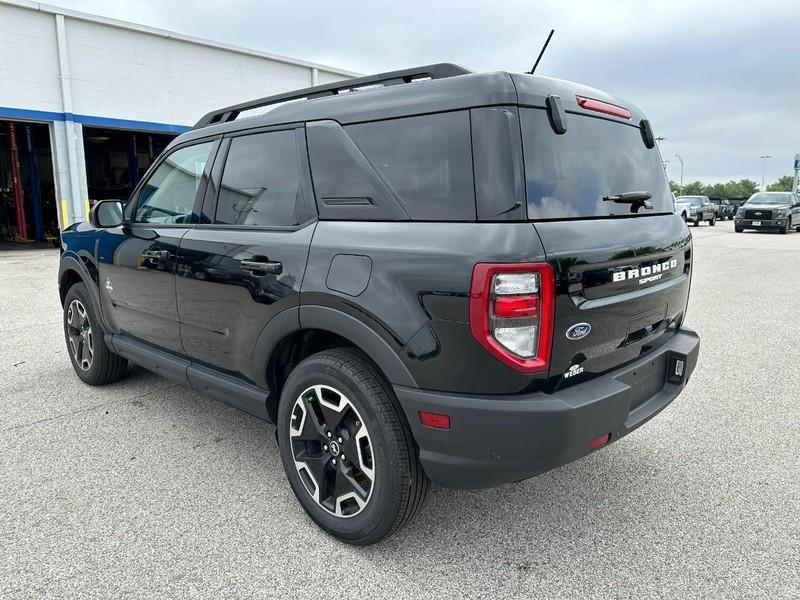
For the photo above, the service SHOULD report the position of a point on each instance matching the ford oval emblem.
(578, 331)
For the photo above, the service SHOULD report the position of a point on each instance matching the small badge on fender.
(578, 331)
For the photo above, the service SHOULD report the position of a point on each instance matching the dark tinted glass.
(262, 183)
(568, 175)
(426, 160)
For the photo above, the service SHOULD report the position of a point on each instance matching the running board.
(211, 382)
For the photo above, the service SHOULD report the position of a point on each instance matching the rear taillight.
(511, 313)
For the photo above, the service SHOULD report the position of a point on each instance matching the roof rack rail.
(436, 71)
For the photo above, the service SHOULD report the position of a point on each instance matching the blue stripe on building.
(90, 120)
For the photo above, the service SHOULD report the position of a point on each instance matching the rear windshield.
(568, 175)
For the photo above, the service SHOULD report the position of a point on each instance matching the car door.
(244, 263)
(137, 260)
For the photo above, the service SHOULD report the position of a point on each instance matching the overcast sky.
(719, 80)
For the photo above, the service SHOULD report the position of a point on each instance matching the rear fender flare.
(298, 318)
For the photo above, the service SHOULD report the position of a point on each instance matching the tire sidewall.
(80, 292)
(314, 371)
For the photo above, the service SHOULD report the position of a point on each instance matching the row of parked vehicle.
(762, 211)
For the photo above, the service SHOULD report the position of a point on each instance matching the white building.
(86, 103)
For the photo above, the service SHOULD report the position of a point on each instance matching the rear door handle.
(258, 267)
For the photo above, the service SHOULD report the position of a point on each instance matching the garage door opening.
(117, 159)
(28, 211)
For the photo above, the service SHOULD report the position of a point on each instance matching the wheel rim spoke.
(79, 335)
(332, 451)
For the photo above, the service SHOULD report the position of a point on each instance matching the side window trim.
(210, 200)
(134, 198)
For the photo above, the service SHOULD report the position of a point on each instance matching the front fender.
(86, 269)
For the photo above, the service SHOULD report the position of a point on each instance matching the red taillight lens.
(603, 107)
(434, 420)
(511, 313)
(509, 307)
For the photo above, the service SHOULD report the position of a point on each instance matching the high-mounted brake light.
(603, 107)
(511, 313)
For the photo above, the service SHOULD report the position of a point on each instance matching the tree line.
(744, 188)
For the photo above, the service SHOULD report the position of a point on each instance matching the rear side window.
(263, 183)
(427, 161)
(568, 175)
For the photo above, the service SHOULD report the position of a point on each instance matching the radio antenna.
(547, 41)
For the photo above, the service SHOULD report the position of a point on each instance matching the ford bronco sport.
(424, 275)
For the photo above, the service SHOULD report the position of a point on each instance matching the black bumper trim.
(495, 440)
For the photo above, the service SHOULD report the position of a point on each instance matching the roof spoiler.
(436, 71)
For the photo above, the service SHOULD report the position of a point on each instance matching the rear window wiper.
(637, 200)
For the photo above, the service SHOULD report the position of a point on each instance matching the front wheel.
(346, 448)
(787, 227)
(713, 220)
(93, 362)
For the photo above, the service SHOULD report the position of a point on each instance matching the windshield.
(771, 199)
(692, 200)
(568, 175)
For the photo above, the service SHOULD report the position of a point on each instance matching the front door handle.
(257, 267)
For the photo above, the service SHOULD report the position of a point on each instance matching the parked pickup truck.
(696, 209)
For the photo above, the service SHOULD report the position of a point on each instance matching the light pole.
(678, 156)
(764, 158)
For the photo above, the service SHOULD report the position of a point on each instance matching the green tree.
(747, 188)
(695, 188)
(675, 187)
(718, 190)
(784, 184)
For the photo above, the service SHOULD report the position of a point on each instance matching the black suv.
(427, 274)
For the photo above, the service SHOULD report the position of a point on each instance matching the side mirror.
(106, 213)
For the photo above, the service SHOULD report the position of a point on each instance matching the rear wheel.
(713, 220)
(346, 448)
(93, 362)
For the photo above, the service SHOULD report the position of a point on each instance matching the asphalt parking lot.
(148, 489)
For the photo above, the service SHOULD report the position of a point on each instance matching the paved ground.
(146, 489)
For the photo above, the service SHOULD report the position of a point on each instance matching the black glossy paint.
(223, 304)
(136, 265)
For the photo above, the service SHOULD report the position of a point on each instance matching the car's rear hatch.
(622, 269)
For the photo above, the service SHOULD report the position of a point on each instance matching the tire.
(93, 362)
(696, 222)
(713, 220)
(738, 229)
(787, 227)
(342, 384)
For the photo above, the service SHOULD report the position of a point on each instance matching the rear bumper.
(495, 440)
